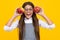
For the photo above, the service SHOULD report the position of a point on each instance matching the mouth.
(28, 14)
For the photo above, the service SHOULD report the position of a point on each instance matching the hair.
(22, 23)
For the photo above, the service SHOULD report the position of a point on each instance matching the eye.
(29, 9)
(26, 9)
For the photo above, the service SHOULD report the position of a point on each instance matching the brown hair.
(22, 23)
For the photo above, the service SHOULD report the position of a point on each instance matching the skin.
(28, 13)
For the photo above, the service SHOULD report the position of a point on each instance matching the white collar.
(28, 20)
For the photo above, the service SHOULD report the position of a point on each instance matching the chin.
(28, 17)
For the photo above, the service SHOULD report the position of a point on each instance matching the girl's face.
(28, 11)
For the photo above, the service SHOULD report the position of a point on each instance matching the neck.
(28, 18)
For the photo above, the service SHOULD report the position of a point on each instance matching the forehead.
(28, 6)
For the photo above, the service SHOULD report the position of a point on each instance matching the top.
(29, 29)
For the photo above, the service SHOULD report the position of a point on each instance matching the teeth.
(28, 14)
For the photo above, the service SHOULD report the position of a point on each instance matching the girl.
(29, 24)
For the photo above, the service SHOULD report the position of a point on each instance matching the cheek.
(25, 12)
(28, 15)
(31, 12)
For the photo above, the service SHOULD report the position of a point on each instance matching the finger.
(42, 9)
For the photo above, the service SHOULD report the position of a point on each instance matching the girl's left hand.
(41, 12)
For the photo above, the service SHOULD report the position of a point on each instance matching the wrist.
(14, 16)
(43, 15)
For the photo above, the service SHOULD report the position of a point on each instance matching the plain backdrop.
(51, 9)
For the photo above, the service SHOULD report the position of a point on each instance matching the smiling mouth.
(28, 14)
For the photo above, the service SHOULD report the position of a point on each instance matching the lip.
(28, 14)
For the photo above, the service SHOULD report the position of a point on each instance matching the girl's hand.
(17, 14)
(41, 12)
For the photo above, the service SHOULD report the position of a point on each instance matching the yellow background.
(51, 9)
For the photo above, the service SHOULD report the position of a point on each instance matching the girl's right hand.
(17, 14)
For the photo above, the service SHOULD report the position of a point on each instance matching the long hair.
(22, 23)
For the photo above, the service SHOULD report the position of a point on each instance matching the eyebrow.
(28, 8)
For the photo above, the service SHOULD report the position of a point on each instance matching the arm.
(48, 23)
(10, 25)
(10, 21)
(47, 19)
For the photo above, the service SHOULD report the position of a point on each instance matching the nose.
(28, 10)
